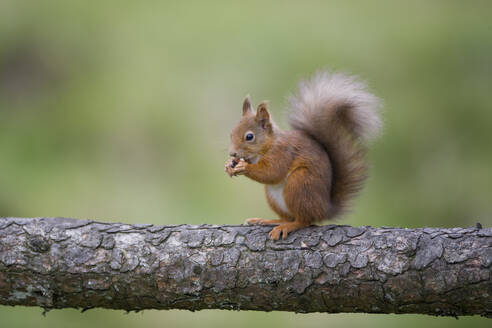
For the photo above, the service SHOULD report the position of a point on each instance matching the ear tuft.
(262, 111)
(263, 117)
(247, 108)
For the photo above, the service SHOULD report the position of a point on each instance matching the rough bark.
(60, 263)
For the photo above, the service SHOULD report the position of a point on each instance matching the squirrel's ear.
(263, 117)
(247, 106)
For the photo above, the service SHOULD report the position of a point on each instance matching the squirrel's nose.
(233, 154)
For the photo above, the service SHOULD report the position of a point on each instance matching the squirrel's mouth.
(244, 158)
(249, 160)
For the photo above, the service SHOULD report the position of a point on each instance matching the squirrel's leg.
(306, 198)
(267, 222)
(284, 216)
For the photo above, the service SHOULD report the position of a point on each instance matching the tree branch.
(61, 263)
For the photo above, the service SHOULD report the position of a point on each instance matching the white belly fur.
(276, 195)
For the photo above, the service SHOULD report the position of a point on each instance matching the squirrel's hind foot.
(284, 229)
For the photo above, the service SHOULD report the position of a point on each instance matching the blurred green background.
(121, 111)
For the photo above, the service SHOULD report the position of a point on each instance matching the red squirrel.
(311, 172)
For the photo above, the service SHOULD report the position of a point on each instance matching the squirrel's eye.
(249, 136)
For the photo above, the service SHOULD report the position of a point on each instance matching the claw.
(284, 229)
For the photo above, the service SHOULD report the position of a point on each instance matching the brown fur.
(321, 161)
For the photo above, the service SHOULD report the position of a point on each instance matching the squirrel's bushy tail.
(337, 111)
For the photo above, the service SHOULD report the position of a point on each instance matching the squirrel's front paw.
(239, 168)
(229, 165)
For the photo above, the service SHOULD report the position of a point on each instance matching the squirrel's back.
(337, 111)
